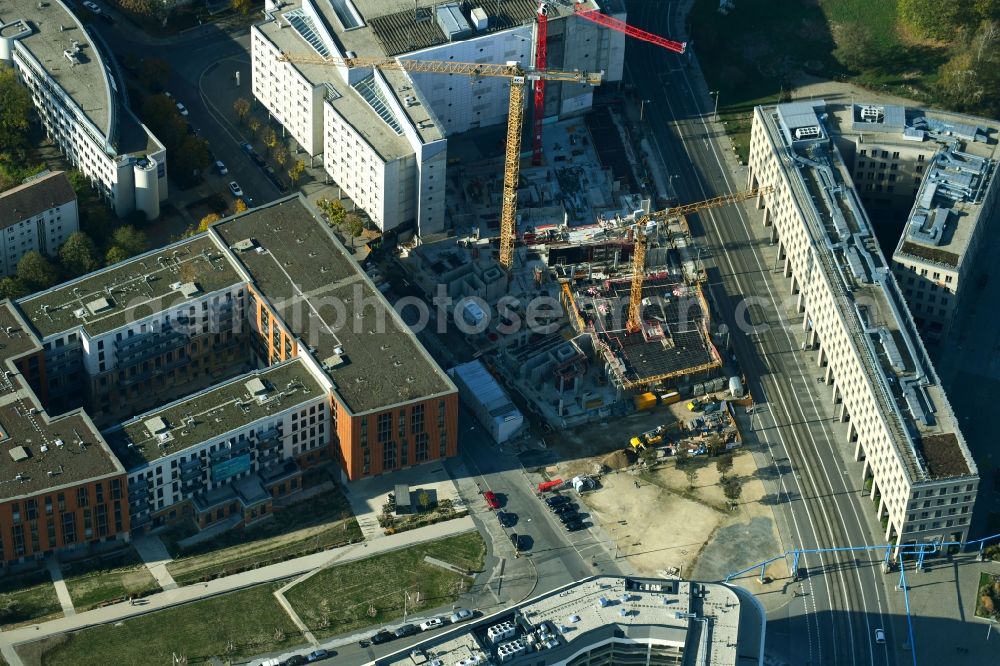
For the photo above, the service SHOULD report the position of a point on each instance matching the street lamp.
(715, 113)
(642, 108)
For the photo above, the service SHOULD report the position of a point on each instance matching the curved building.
(82, 103)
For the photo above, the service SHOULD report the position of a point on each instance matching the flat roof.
(564, 621)
(128, 291)
(40, 454)
(924, 428)
(86, 82)
(346, 99)
(331, 306)
(962, 152)
(213, 412)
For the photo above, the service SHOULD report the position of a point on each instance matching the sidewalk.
(62, 592)
(266, 574)
(154, 554)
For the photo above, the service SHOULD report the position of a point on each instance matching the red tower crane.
(540, 59)
(597, 17)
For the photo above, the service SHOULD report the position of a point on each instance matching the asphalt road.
(192, 60)
(833, 616)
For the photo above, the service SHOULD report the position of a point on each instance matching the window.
(389, 456)
(384, 427)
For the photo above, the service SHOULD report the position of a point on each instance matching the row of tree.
(77, 256)
(272, 142)
(188, 152)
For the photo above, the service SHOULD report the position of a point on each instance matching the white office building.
(382, 135)
(922, 476)
(83, 105)
(38, 215)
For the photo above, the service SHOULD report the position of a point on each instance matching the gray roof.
(329, 304)
(213, 412)
(34, 197)
(87, 82)
(133, 289)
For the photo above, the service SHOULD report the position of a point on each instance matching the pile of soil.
(616, 460)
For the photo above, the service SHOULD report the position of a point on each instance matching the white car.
(180, 108)
(461, 615)
(221, 168)
(235, 188)
(432, 623)
(92, 7)
(880, 636)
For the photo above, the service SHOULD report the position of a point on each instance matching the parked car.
(316, 655)
(491, 499)
(295, 660)
(461, 615)
(235, 188)
(381, 637)
(181, 109)
(92, 7)
(221, 168)
(564, 508)
(568, 517)
(556, 500)
(364, 643)
(247, 148)
(432, 623)
(506, 518)
(574, 526)
(406, 630)
(880, 636)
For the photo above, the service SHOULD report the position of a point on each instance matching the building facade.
(382, 135)
(81, 101)
(883, 383)
(37, 216)
(218, 375)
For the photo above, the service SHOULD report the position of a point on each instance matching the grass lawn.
(338, 599)
(315, 523)
(231, 626)
(754, 54)
(28, 597)
(989, 587)
(113, 576)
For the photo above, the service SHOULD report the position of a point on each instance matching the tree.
(270, 139)
(114, 255)
(139, 7)
(191, 156)
(11, 287)
(692, 476)
(732, 489)
(239, 206)
(959, 81)
(160, 114)
(36, 272)
(424, 499)
(241, 6)
(253, 124)
(681, 457)
(280, 155)
(79, 255)
(355, 224)
(15, 111)
(296, 170)
(130, 240)
(724, 464)
(242, 108)
(207, 221)
(154, 73)
(333, 209)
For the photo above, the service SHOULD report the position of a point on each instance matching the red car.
(491, 499)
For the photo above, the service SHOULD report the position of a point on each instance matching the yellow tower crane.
(518, 77)
(634, 322)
